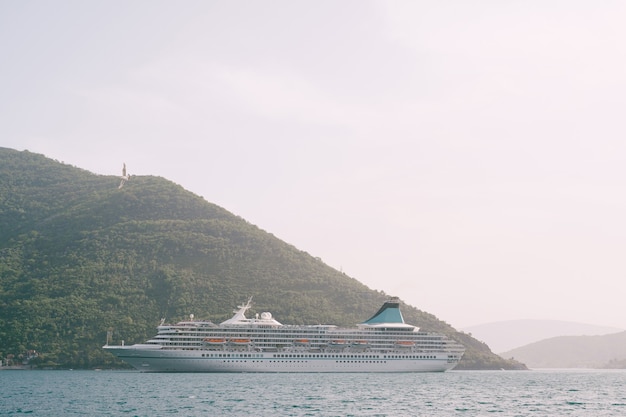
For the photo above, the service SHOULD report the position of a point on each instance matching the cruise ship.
(384, 343)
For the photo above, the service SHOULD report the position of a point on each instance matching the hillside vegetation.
(78, 256)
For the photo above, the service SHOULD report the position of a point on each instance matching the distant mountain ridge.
(606, 351)
(80, 258)
(503, 336)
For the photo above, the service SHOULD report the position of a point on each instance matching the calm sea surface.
(457, 393)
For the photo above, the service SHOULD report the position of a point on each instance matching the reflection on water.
(467, 393)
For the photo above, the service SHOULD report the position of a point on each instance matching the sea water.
(457, 393)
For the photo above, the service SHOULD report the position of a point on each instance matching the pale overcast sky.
(468, 157)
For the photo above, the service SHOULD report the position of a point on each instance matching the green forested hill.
(79, 256)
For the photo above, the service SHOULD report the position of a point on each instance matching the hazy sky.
(468, 157)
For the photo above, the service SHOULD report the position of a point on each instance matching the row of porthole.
(410, 357)
(295, 361)
(325, 356)
(233, 355)
(248, 355)
(357, 356)
(253, 361)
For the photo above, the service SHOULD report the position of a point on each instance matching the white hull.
(157, 360)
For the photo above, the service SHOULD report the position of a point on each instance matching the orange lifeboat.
(240, 341)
